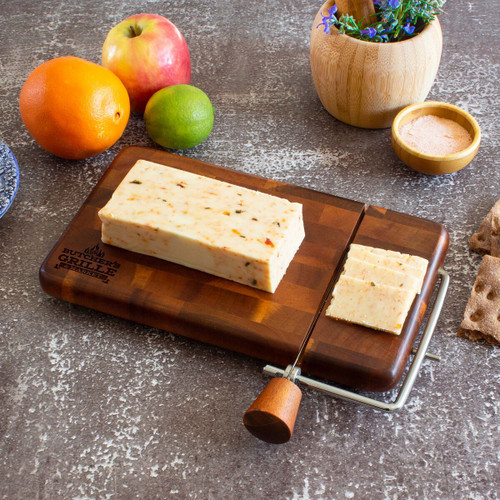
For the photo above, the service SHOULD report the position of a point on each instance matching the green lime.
(179, 116)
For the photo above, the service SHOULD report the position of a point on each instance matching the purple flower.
(327, 20)
(377, 2)
(369, 32)
(394, 4)
(409, 28)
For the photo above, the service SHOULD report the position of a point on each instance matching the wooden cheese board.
(272, 327)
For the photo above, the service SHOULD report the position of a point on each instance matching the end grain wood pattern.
(192, 303)
(361, 357)
(272, 327)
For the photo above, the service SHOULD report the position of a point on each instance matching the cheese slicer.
(272, 416)
(277, 328)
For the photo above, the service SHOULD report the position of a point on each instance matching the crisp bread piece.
(469, 334)
(369, 304)
(474, 335)
(481, 241)
(495, 232)
(482, 313)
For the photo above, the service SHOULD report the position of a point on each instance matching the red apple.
(147, 52)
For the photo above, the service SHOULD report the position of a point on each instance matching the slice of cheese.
(223, 229)
(381, 307)
(404, 258)
(410, 265)
(380, 275)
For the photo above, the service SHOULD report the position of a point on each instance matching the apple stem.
(132, 31)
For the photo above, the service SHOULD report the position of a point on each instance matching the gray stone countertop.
(92, 406)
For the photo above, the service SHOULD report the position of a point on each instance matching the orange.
(74, 108)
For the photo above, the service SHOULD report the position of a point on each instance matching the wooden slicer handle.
(361, 10)
(271, 417)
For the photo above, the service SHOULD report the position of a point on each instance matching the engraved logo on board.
(91, 262)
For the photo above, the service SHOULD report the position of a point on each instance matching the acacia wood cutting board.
(272, 327)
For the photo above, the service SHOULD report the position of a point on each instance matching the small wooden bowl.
(435, 164)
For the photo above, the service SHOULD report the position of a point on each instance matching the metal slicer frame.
(292, 372)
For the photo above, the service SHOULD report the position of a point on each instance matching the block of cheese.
(411, 265)
(213, 226)
(367, 271)
(381, 307)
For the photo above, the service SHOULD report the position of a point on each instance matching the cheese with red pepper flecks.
(223, 229)
(411, 265)
(366, 271)
(377, 287)
(370, 304)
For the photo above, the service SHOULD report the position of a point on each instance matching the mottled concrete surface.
(92, 406)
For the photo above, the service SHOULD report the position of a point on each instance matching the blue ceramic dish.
(9, 178)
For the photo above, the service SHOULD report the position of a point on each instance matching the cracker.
(487, 238)
(469, 334)
(475, 335)
(495, 231)
(481, 240)
(482, 313)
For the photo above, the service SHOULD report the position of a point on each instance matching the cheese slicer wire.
(271, 417)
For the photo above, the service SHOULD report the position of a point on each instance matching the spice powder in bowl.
(435, 138)
(435, 135)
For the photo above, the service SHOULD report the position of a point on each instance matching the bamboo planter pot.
(366, 84)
